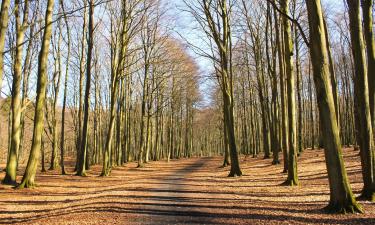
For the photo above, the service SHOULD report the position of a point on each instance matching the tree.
(341, 196)
(361, 95)
(62, 137)
(222, 39)
(284, 109)
(120, 45)
(81, 168)
(28, 179)
(290, 79)
(11, 170)
(4, 18)
(367, 8)
(55, 90)
(82, 61)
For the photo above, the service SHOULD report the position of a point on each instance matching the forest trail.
(186, 191)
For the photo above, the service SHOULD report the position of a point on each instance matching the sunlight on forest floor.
(194, 191)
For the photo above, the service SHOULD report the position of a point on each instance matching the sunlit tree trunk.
(28, 179)
(299, 98)
(341, 196)
(284, 110)
(367, 9)
(56, 87)
(11, 170)
(333, 75)
(81, 168)
(62, 134)
(361, 95)
(82, 61)
(4, 18)
(312, 127)
(290, 78)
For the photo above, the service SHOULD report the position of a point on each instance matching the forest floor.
(187, 191)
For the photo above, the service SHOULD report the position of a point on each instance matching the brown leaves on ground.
(191, 191)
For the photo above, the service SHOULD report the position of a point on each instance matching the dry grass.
(193, 191)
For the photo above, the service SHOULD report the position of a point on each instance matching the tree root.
(8, 181)
(290, 182)
(343, 208)
(366, 195)
(81, 174)
(26, 184)
(224, 165)
(235, 174)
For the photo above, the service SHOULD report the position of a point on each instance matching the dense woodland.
(110, 82)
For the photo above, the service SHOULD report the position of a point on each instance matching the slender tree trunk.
(299, 98)
(288, 54)
(367, 7)
(25, 85)
(43, 151)
(4, 18)
(62, 138)
(81, 169)
(108, 146)
(312, 127)
(143, 116)
(284, 110)
(56, 85)
(11, 169)
(81, 88)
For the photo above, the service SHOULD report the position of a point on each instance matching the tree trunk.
(81, 80)
(367, 7)
(28, 179)
(4, 18)
(226, 147)
(361, 94)
(11, 169)
(62, 138)
(284, 110)
(299, 81)
(341, 196)
(288, 54)
(81, 168)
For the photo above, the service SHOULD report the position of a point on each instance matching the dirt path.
(192, 191)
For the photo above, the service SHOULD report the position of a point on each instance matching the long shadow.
(156, 198)
(176, 202)
(195, 217)
(178, 175)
